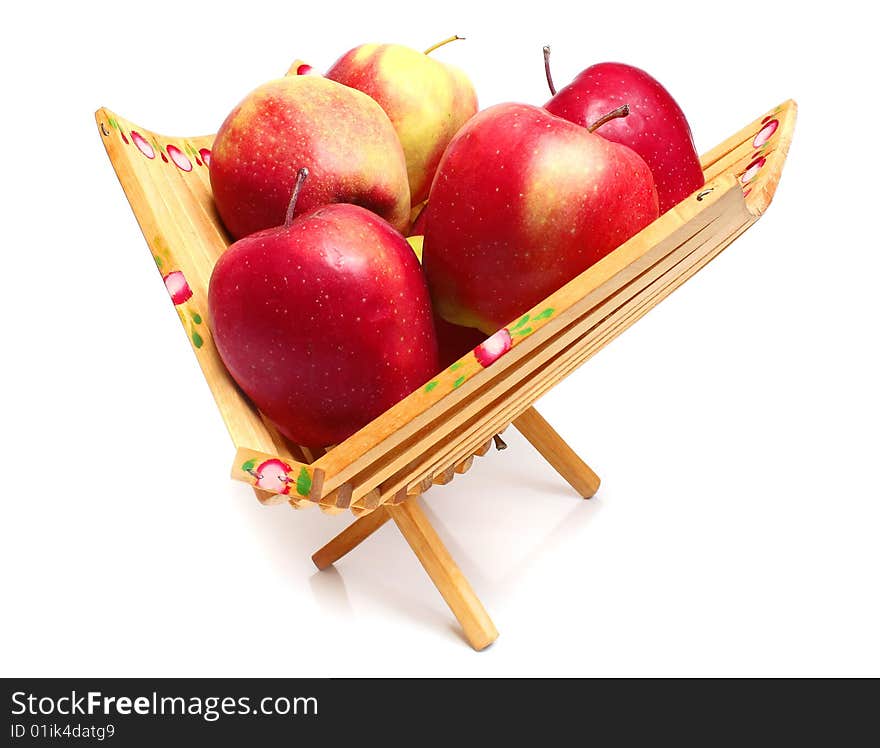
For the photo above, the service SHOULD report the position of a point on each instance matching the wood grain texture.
(351, 537)
(436, 431)
(447, 577)
(553, 448)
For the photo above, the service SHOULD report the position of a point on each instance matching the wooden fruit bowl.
(436, 432)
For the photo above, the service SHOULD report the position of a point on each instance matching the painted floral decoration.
(494, 347)
(178, 288)
(143, 146)
(179, 158)
(766, 133)
(769, 126)
(274, 476)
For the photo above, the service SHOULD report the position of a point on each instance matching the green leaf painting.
(431, 385)
(198, 342)
(304, 482)
(249, 466)
(522, 320)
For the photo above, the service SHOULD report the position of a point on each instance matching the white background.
(735, 427)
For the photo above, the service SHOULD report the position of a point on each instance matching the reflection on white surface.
(328, 588)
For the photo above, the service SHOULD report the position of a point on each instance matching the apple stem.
(445, 41)
(547, 70)
(621, 111)
(291, 206)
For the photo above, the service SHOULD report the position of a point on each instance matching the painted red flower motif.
(142, 144)
(766, 133)
(178, 288)
(304, 69)
(272, 476)
(179, 158)
(205, 153)
(752, 170)
(493, 347)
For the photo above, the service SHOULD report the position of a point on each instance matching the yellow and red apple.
(426, 100)
(342, 136)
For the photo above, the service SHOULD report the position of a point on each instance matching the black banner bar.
(257, 712)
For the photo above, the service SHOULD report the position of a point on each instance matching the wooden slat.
(465, 465)
(484, 450)
(176, 216)
(303, 477)
(349, 538)
(762, 190)
(553, 448)
(438, 412)
(340, 498)
(515, 400)
(444, 476)
(714, 155)
(459, 595)
(524, 366)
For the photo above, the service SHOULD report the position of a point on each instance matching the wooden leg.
(553, 449)
(350, 537)
(426, 544)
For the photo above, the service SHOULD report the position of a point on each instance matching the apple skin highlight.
(523, 201)
(341, 135)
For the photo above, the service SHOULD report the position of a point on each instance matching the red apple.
(341, 135)
(523, 201)
(324, 323)
(656, 127)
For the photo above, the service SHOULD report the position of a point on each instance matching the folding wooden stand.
(437, 431)
(415, 527)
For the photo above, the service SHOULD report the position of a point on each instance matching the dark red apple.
(454, 340)
(324, 323)
(522, 202)
(656, 127)
(418, 226)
